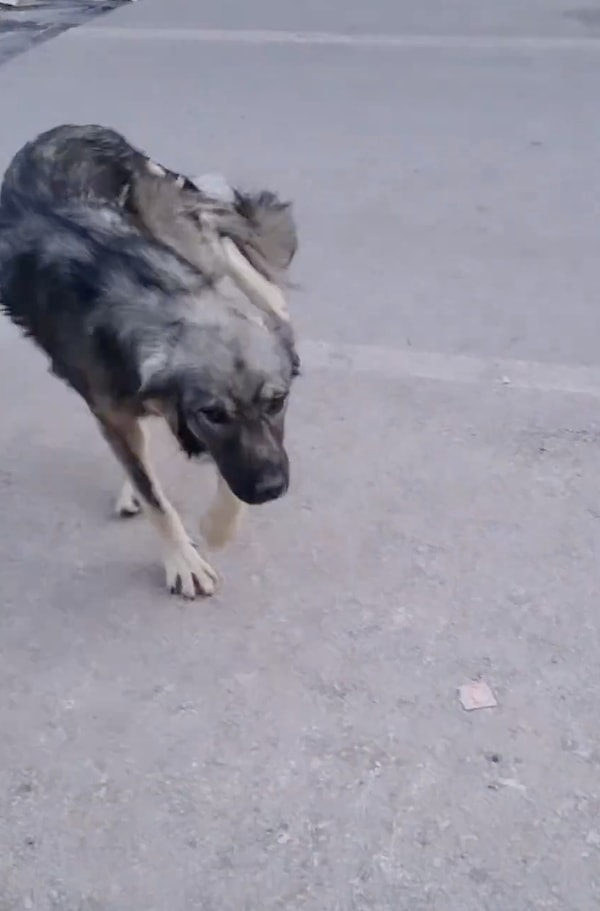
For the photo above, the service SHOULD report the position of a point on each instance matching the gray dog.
(119, 284)
(248, 238)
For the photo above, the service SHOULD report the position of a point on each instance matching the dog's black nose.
(271, 485)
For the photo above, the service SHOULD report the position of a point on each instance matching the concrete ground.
(297, 742)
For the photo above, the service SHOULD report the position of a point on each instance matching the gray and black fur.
(137, 329)
(93, 162)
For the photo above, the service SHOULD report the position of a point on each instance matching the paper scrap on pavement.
(476, 695)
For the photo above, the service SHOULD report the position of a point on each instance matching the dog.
(136, 330)
(249, 238)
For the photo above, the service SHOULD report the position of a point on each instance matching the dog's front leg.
(186, 572)
(223, 518)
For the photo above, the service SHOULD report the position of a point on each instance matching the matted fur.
(250, 238)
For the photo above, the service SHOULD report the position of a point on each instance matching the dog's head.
(223, 389)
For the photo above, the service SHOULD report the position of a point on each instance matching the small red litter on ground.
(476, 695)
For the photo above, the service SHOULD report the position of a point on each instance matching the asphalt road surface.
(297, 742)
(24, 23)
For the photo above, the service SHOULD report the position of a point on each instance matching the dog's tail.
(259, 239)
(269, 230)
(273, 239)
(221, 231)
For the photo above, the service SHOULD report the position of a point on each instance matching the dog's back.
(74, 276)
(71, 162)
(86, 285)
(93, 162)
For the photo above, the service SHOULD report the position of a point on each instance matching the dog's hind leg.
(264, 294)
(127, 503)
(186, 572)
(224, 516)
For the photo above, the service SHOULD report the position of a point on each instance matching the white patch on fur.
(154, 168)
(263, 293)
(122, 197)
(216, 186)
(152, 365)
(223, 519)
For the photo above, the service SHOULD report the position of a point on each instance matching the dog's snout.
(257, 469)
(271, 485)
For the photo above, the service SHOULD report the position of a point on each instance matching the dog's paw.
(127, 503)
(188, 574)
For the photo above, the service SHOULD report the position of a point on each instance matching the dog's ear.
(162, 390)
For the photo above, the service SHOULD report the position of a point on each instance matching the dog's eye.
(215, 414)
(275, 405)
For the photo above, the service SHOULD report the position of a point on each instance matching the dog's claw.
(129, 513)
(188, 574)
